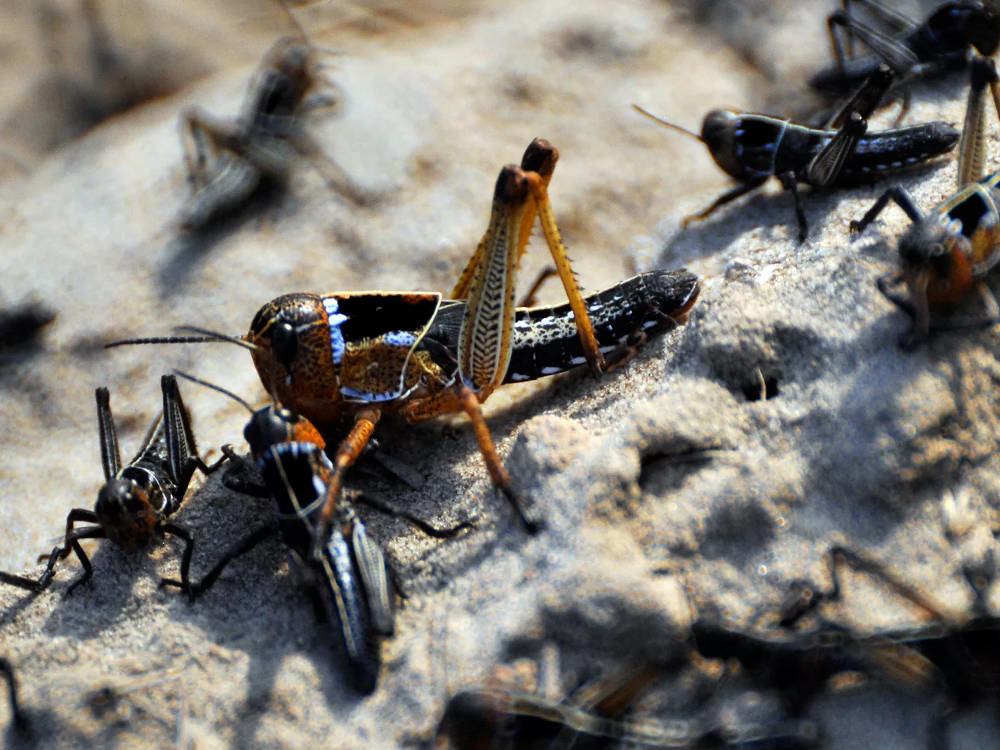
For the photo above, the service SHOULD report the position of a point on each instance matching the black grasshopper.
(350, 574)
(228, 161)
(133, 506)
(755, 147)
(937, 45)
(948, 253)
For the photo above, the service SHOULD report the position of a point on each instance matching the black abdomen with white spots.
(881, 153)
(546, 340)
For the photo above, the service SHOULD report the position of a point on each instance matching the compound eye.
(284, 343)
(941, 262)
(251, 433)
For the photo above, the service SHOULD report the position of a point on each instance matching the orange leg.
(547, 219)
(348, 452)
(540, 157)
(499, 475)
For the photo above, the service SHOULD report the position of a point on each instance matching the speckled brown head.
(292, 354)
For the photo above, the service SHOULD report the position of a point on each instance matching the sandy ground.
(862, 444)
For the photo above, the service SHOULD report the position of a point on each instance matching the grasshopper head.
(281, 86)
(926, 247)
(275, 424)
(281, 330)
(719, 133)
(292, 344)
(124, 510)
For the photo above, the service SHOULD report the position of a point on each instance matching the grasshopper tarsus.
(384, 506)
(531, 525)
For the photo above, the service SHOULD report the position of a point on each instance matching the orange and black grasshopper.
(363, 355)
(228, 162)
(138, 498)
(755, 147)
(948, 253)
(937, 45)
(350, 575)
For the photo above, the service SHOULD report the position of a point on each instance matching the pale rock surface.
(667, 487)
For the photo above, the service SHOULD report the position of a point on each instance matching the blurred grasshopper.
(938, 44)
(228, 161)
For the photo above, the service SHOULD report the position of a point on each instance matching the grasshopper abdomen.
(545, 338)
(891, 151)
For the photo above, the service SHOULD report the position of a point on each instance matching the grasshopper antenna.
(295, 22)
(202, 336)
(665, 123)
(214, 387)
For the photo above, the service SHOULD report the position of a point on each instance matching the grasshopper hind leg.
(498, 473)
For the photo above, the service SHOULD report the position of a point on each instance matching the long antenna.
(204, 336)
(162, 340)
(665, 123)
(215, 387)
(216, 336)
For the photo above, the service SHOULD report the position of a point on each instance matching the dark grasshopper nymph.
(349, 575)
(359, 356)
(949, 252)
(937, 45)
(754, 147)
(133, 506)
(228, 161)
